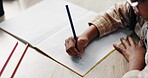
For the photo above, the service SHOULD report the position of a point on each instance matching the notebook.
(45, 27)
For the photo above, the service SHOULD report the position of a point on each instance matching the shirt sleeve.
(143, 73)
(131, 74)
(137, 73)
(109, 21)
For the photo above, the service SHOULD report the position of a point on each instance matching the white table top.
(114, 66)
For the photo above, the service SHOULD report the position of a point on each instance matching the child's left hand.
(133, 52)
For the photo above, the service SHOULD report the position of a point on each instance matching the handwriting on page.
(79, 61)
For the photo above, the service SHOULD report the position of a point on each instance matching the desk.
(114, 66)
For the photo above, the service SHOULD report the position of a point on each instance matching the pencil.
(72, 26)
(19, 61)
(71, 23)
(8, 59)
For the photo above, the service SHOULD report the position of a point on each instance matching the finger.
(70, 42)
(131, 41)
(66, 41)
(80, 46)
(81, 50)
(70, 46)
(122, 50)
(124, 42)
(119, 48)
(140, 43)
(74, 52)
(70, 53)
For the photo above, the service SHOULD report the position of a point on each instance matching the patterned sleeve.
(117, 16)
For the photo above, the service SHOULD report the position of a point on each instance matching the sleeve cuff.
(131, 74)
(101, 24)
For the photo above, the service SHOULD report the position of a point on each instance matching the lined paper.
(47, 29)
(94, 52)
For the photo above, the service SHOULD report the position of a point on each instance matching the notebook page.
(94, 52)
(42, 20)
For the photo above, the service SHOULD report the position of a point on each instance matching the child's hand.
(76, 49)
(133, 52)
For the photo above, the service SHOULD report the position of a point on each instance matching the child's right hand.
(76, 48)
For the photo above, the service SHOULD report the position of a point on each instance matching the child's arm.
(120, 15)
(111, 20)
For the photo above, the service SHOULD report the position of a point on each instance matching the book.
(45, 27)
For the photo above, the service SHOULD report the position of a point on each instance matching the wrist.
(137, 57)
(83, 39)
(136, 63)
(90, 33)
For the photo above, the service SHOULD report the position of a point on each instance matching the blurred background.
(14, 7)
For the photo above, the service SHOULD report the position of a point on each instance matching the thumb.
(80, 46)
(81, 50)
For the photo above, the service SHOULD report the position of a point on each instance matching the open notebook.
(45, 27)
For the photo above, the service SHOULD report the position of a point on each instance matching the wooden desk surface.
(114, 66)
